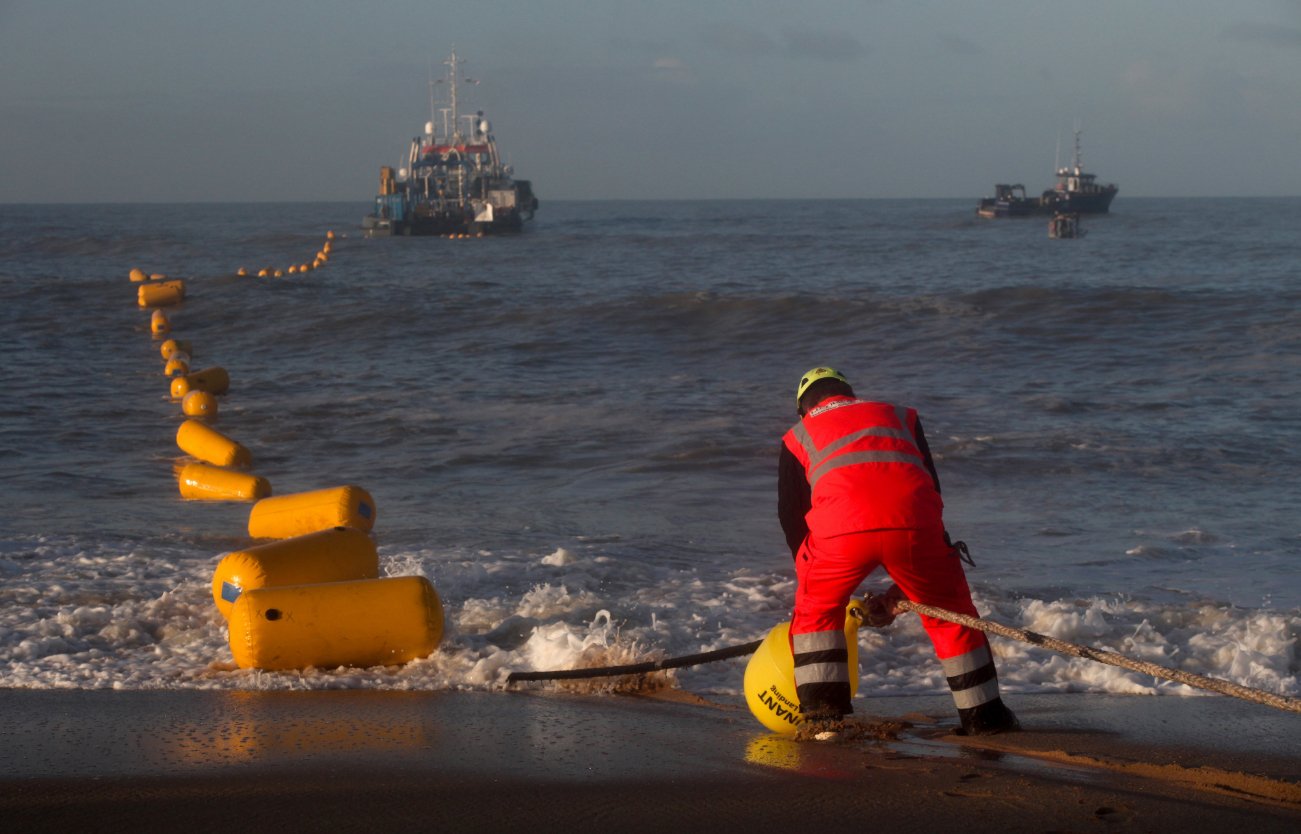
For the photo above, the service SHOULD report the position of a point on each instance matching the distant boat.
(1065, 225)
(1076, 192)
(1008, 201)
(454, 181)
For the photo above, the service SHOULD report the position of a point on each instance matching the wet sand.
(542, 761)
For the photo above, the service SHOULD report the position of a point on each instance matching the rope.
(1223, 687)
(635, 668)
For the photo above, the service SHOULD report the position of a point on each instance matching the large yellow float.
(369, 622)
(211, 446)
(161, 293)
(770, 674)
(214, 380)
(307, 512)
(202, 482)
(334, 555)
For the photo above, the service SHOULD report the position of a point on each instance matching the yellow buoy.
(306, 512)
(199, 404)
(368, 622)
(161, 294)
(211, 446)
(770, 674)
(170, 346)
(292, 270)
(158, 323)
(335, 555)
(303, 267)
(262, 273)
(329, 235)
(157, 276)
(138, 276)
(214, 380)
(242, 271)
(277, 274)
(178, 363)
(202, 482)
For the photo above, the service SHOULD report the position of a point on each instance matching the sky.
(273, 100)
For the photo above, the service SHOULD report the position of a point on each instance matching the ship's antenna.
(1076, 161)
(456, 121)
(433, 115)
(1057, 157)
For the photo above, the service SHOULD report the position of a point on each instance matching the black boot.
(988, 719)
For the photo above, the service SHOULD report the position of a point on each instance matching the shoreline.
(467, 761)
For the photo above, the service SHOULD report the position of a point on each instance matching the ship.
(1008, 201)
(1076, 192)
(454, 181)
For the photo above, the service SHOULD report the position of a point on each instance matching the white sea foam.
(559, 559)
(82, 617)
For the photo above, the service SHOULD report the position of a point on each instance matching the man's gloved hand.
(879, 609)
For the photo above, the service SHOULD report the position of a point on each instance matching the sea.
(573, 432)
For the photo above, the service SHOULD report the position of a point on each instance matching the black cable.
(635, 668)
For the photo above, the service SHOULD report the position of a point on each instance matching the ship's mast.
(456, 122)
(432, 113)
(1075, 161)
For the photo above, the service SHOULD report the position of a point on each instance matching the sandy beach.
(546, 761)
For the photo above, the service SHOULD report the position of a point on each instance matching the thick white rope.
(1223, 687)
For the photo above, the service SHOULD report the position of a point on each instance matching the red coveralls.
(875, 502)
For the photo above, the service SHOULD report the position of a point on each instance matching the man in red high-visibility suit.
(857, 489)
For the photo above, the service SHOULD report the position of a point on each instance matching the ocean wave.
(572, 432)
(90, 617)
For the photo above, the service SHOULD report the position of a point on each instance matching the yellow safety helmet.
(812, 376)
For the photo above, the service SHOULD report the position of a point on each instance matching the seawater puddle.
(912, 745)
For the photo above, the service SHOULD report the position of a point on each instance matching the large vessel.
(1076, 192)
(454, 181)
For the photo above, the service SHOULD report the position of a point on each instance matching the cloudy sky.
(232, 100)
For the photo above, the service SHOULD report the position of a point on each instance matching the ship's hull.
(1077, 202)
(1008, 208)
(403, 214)
(439, 224)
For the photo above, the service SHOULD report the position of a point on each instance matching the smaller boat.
(1065, 225)
(1008, 201)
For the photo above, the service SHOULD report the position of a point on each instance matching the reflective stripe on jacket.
(865, 469)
